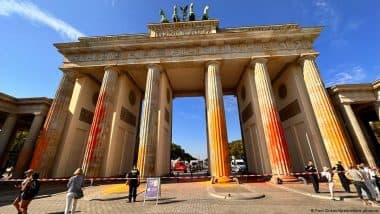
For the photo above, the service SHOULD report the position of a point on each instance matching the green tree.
(236, 149)
(178, 152)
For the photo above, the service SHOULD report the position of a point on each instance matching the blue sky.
(349, 44)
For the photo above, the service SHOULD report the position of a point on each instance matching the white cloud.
(344, 74)
(32, 12)
(326, 14)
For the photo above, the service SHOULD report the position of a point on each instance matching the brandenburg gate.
(110, 82)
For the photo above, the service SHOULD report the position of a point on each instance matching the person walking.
(133, 181)
(328, 174)
(74, 190)
(21, 203)
(358, 181)
(313, 175)
(342, 177)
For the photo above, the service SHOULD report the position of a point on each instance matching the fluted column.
(50, 135)
(148, 135)
(216, 122)
(26, 152)
(358, 133)
(377, 109)
(6, 131)
(273, 131)
(98, 139)
(333, 136)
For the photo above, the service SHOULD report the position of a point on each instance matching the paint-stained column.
(6, 131)
(273, 131)
(334, 139)
(50, 135)
(216, 124)
(358, 133)
(148, 135)
(27, 149)
(98, 138)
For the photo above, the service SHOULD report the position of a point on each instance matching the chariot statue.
(163, 17)
(205, 13)
(191, 13)
(184, 12)
(175, 14)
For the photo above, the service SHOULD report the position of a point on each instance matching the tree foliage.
(236, 149)
(177, 151)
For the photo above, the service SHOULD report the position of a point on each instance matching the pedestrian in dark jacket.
(133, 181)
(313, 176)
(338, 168)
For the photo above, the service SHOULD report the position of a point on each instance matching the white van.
(238, 165)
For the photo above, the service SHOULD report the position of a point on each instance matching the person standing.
(358, 181)
(313, 175)
(74, 190)
(328, 174)
(342, 177)
(375, 179)
(133, 181)
(21, 202)
(367, 179)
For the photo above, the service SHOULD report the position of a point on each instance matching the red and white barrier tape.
(165, 177)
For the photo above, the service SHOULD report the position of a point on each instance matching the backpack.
(32, 190)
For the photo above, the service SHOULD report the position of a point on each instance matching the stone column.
(358, 133)
(273, 131)
(148, 136)
(98, 139)
(6, 131)
(216, 122)
(50, 136)
(334, 139)
(26, 152)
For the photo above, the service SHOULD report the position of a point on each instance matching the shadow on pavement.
(109, 199)
(170, 202)
(62, 212)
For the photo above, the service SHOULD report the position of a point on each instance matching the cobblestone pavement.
(189, 198)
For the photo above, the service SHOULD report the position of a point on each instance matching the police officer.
(314, 176)
(342, 177)
(133, 182)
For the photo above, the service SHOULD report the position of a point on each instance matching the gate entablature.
(201, 41)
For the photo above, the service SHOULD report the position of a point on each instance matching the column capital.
(309, 56)
(72, 75)
(255, 60)
(112, 68)
(217, 63)
(154, 66)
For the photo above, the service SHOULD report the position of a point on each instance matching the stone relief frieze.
(248, 48)
(181, 32)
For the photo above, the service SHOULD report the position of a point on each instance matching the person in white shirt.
(367, 179)
(328, 174)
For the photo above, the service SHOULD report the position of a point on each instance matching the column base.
(221, 180)
(279, 179)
